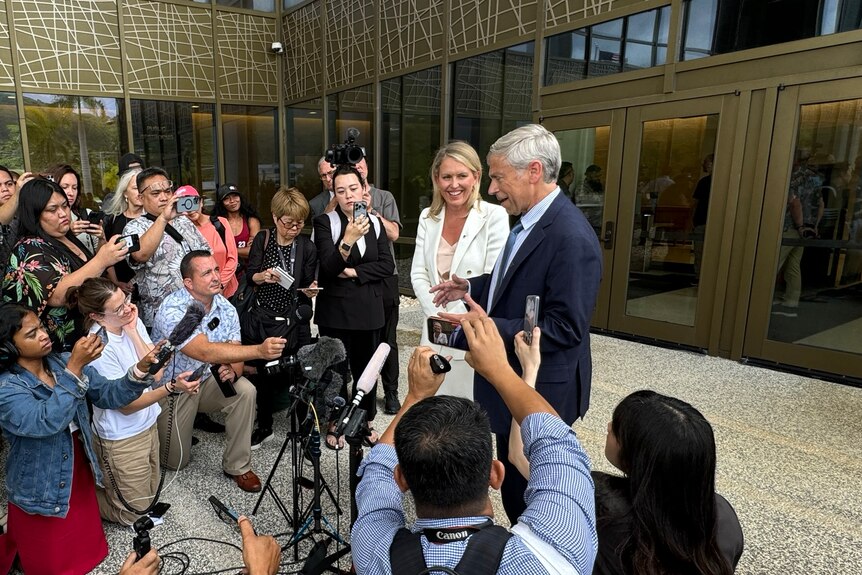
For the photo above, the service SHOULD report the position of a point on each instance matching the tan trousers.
(790, 258)
(134, 464)
(239, 420)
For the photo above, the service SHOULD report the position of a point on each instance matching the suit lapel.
(474, 223)
(536, 237)
(432, 242)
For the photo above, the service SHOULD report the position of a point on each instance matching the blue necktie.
(507, 252)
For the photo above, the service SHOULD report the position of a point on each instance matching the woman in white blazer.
(458, 235)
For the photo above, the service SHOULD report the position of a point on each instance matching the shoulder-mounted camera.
(347, 153)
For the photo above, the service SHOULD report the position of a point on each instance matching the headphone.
(8, 353)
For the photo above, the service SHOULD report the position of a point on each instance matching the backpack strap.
(169, 229)
(405, 553)
(216, 222)
(484, 551)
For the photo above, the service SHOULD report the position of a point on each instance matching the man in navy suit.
(552, 252)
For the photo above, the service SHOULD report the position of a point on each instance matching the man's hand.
(331, 205)
(487, 353)
(148, 565)
(421, 381)
(226, 373)
(169, 212)
(260, 553)
(150, 358)
(271, 348)
(476, 312)
(449, 291)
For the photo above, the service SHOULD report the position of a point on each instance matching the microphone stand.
(355, 433)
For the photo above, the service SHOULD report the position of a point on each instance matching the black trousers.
(360, 345)
(514, 484)
(391, 300)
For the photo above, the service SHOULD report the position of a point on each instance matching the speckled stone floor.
(789, 460)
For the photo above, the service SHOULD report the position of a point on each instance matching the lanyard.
(291, 254)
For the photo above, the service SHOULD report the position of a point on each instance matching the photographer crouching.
(281, 267)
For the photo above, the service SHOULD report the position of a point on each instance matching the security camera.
(277, 48)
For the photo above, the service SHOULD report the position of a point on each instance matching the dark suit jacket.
(351, 303)
(318, 203)
(561, 262)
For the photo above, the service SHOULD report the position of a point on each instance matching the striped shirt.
(556, 533)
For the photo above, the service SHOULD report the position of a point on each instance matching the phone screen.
(531, 317)
(440, 332)
(199, 372)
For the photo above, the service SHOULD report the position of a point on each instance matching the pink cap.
(186, 191)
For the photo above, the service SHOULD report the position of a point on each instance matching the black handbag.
(243, 299)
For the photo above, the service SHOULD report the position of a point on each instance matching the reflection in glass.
(11, 151)
(492, 96)
(817, 300)
(674, 179)
(178, 137)
(77, 130)
(305, 146)
(260, 5)
(582, 173)
(251, 146)
(722, 26)
(411, 126)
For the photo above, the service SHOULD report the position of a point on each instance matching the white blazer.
(482, 239)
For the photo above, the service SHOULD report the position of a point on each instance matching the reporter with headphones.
(53, 514)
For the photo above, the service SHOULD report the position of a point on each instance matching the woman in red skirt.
(54, 522)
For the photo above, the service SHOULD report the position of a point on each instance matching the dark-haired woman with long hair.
(69, 180)
(126, 439)
(48, 259)
(51, 469)
(664, 516)
(243, 219)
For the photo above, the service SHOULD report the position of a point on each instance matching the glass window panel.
(305, 146)
(566, 57)
(639, 55)
(353, 109)
(719, 27)
(816, 298)
(11, 152)
(663, 25)
(291, 3)
(81, 131)
(582, 173)
(642, 27)
(605, 48)
(251, 152)
(261, 5)
(674, 179)
(179, 137)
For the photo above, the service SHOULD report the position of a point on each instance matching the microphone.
(365, 384)
(304, 313)
(317, 361)
(182, 331)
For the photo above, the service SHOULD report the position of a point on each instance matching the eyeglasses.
(327, 175)
(124, 308)
(289, 224)
(157, 189)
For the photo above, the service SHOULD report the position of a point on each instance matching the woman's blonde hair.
(289, 202)
(463, 153)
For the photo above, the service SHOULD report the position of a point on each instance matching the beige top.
(445, 253)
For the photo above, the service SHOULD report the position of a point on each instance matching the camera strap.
(482, 556)
(169, 229)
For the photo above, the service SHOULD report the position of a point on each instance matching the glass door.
(806, 303)
(665, 260)
(591, 146)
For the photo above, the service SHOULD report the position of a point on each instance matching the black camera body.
(282, 365)
(347, 153)
(141, 542)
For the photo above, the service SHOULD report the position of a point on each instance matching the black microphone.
(317, 361)
(182, 331)
(304, 313)
(364, 385)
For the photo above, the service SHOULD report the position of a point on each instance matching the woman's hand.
(268, 277)
(112, 252)
(80, 226)
(184, 384)
(96, 230)
(86, 350)
(356, 229)
(127, 287)
(348, 273)
(132, 326)
(310, 291)
(529, 355)
(23, 179)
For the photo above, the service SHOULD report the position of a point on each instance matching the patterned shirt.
(160, 275)
(556, 533)
(226, 329)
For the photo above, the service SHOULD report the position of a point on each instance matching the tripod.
(308, 522)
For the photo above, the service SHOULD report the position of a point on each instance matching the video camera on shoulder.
(347, 153)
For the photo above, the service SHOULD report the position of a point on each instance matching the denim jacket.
(35, 420)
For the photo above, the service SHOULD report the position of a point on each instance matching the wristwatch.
(346, 247)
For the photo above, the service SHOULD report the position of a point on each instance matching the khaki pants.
(239, 420)
(790, 258)
(134, 465)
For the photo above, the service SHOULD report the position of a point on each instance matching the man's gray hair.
(527, 144)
